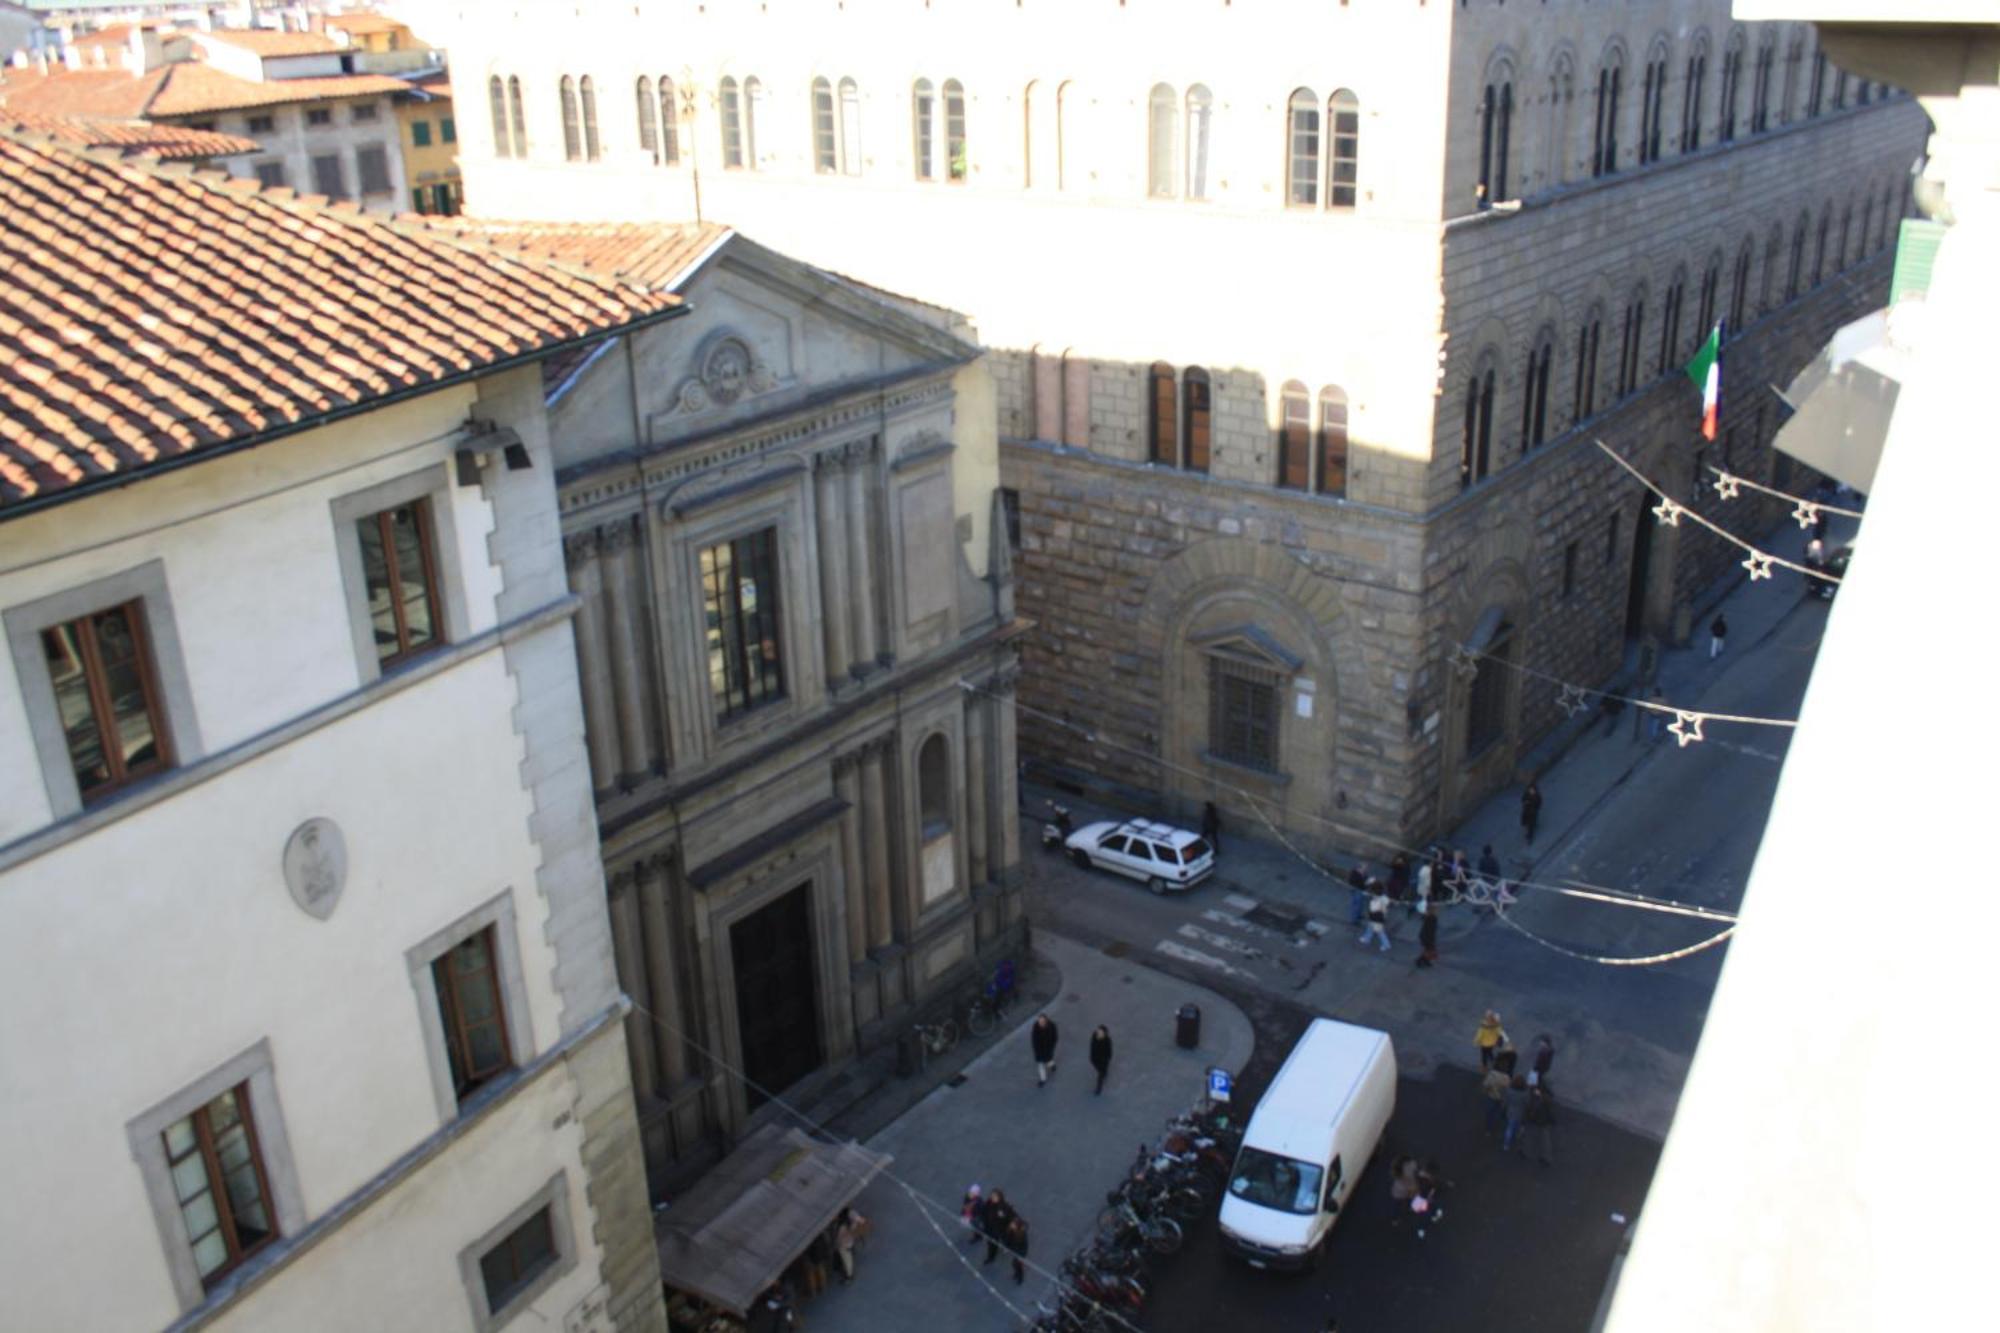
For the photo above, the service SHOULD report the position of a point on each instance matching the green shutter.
(1916, 253)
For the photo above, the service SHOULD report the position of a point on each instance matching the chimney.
(72, 58)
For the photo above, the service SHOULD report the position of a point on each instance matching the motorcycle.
(1056, 829)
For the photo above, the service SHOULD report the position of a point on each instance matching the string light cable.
(926, 1205)
(1804, 512)
(1479, 890)
(1669, 512)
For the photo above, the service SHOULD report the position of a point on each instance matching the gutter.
(115, 480)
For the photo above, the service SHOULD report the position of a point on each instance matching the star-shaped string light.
(1464, 662)
(1726, 485)
(1668, 512)
(1573, 700)
(1806, 513)
(1758, 564)
(1686, 727)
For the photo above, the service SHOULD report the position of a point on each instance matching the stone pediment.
(1251, 646)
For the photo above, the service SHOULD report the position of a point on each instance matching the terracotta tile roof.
(112, 94)
(658, 255)
(153, 313)
(193, 88)
(169, 143)
(270, 42)
(184, 88)
(364, 21)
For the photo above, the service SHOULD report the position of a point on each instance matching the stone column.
(600, 718)
(626, 948)
(847, 785)
(861, 572)
(654, 883)
(875, 842)
(628, 663)
(976, 714)
(829, 495)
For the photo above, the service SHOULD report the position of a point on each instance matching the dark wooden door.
(777, 1012)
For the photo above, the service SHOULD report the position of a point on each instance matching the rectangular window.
(1010, 504)
(475, 1024)
(367, 113)
(519, 1258)
(1295, 443)
(219, 1183)
(420, 133)
(270, 175)
(373, 164)
(399, 572)
(740, 593)
(825, 151)
(524, 1254)
(1243, 714)
(1569, 571)
(1342, 175)
(1195, 421)
(320, 115)
(262, 124)
(108, 699)
(328, 179)
(448, 130)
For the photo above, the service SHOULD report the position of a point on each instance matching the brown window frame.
(1197, 417)
(1333, 408)
(466, 1077)
(519, 1277)
(1294, 438)
(218, 1185)
(119, 774)
(1161, 446)
(406, 651)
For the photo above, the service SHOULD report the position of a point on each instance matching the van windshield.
(1284, 1183)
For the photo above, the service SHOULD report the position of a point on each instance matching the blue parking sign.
(1219, 1084)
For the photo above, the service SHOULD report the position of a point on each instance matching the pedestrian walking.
(1427, 936)
(1100, 1054)
(1541, 1120)
(1493, 1087)
(1357, 893)
(1399, 878)
(997, 1218)
(1489, 866)
(1430, 1184)
(1017, 1245)
(848, 1229)
(1042, 1039)
(971, 1211)
(1402, 1186)
(1544, 1058)
(1211, 825)
(1531, 810)
(1427, 874)
(1718, 630)
(1656, 721)
(1514, 1105)
(1378, 916)
(1489, 1038)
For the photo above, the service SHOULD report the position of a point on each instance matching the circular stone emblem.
(316, 866)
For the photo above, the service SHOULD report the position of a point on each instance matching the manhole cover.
(1276, 916)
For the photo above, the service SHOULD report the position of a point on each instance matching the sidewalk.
(1056, 1151)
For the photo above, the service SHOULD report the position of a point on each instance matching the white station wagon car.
(1165, 857)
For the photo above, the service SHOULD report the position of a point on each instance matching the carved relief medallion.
(316, 866)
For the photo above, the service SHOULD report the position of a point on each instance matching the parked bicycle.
(937, 1038)
(1119, 1221)
(990, 1005)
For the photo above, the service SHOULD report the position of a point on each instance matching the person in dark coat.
(1544, 1058)
(1017, 1245)
(996, 1218)
(1427, 936)
(1718, 630)
(1042, 1037)
(1211, 825)
(1399, 877)
(1531, 810)
(1357, 892)
(1100, 1054)
(1541, 1121)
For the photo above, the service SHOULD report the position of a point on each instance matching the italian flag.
(1706, 371)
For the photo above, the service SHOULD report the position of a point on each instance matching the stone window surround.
(145, 584)
(144, 1133)
(432, 483)
(497, 912)
(554, 1196)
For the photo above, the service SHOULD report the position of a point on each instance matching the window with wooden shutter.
(1195, 417)
(1332, 441)
(1160, 423)
(1294, 438)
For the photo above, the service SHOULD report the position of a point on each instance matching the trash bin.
(1187, 1027)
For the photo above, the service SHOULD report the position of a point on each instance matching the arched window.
(1795, 56)
(1739, 288)
(1562, 102)
(1160, 444)
(957, 166)
(1343, 117)
(517, 113)
(934, 788)
(1652, 94)
(1819, 245)
(587, 94)
(1587, 338)
(732, 123)
(1670, 320)
(1302, 150)
(670, 119)
(1610, 88)
(1294, 437)
(753, 112)
(1195, 412)
(1477, 450)
(1711, 288)
(1732, 81)
(1691, 85)
(572, 135)
(825, 140)
(923, 120)
(1760, 84)
(1163, 112)
(850, 127)
(1333, 441)
(1066, 96)
(1795, 282)
(1631, 341)
(1774, 249)
(496, 93)
(649, 126)
(1496, 131)
(1030, 158)
(1535, 391)
(1200, 107)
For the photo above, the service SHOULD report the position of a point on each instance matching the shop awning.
(1843, 401)
(743, 1223)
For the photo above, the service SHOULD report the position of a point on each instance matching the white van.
(1308, 1142)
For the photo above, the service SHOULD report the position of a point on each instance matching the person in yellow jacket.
(1489, 1038)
